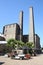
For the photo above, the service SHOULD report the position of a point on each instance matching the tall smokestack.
(31, 26)
(21, 25)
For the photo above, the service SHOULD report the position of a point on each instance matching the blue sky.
(9, 13)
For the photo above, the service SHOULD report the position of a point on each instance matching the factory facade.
(15, 30)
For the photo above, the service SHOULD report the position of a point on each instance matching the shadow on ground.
(2, 63)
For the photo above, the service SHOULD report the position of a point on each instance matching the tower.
(31, 26)
(21, 24)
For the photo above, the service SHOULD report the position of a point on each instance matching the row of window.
(10, 26)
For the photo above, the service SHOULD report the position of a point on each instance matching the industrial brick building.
(16, 30)
(11, 31)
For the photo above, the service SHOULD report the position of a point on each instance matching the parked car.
(6, 55)
(21, 56)
(18, 54)
(27, 56)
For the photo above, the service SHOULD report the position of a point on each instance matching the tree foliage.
(30, 44)
(20, 44)
(14, 44)
(11, 43)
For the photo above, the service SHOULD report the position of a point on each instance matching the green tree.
(20, 44)
(11, 43)
(14, 44)
(30, 44)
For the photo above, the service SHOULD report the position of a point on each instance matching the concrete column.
(21, 24)
(31, 26)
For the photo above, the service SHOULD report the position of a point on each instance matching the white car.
(6, 55)
(17, 57)
(21, 56)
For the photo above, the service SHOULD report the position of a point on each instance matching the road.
(38, 60)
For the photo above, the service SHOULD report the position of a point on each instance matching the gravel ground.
(38, 60)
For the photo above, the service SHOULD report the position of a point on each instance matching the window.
(9, 26)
